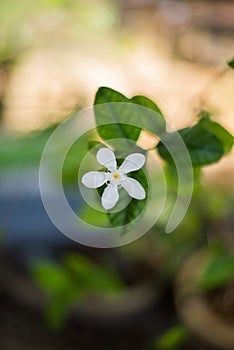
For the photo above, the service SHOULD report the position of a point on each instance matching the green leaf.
(153, 122)
(231, 63)
(113, 118)
(203, 146)
(134, 208)
(119, 117)
(217, 130)
(108, 95)
(146, 102)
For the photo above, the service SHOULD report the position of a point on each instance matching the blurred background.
(163, 291)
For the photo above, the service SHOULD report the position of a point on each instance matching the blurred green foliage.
(172, 339)
(74, 157)
(69, 283)
(209, 206)
(217, 269)
(26, 24)
(26, 151)
(23, 151)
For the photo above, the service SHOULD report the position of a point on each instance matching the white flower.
(115, 178)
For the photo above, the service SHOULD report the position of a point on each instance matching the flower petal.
(132, 162)
(106, 157)
(110, 197)
(134, 188)
(94, 179)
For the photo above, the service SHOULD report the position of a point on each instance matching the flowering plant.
(119, 123)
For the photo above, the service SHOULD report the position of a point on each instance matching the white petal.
(94, 179)
(106, 157)
(110, 197)
(134, 188)
(132, 162)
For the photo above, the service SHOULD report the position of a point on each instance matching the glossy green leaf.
(203, 146)
(217, 130)
(108, 95)
(146, 102)
(113, 118)
(151, 116)
(119, 117)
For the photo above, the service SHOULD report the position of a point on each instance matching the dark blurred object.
(201, 31)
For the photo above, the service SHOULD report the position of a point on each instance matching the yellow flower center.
(116, 176)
